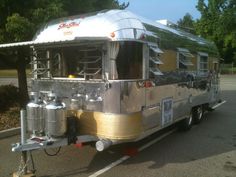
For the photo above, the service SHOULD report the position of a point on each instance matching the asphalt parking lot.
(207, 150)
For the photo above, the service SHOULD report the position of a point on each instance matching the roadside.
(228, 68)
(227, 82)
(10, 77)
(9, 81)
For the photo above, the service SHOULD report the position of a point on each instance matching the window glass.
(129, 60)
(203, 64)
(181, 63)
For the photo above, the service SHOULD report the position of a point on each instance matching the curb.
(9, 132)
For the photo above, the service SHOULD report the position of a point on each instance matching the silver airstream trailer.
(112, 77)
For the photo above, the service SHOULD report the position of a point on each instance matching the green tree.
(218, 23)
(20, 20)
(74, 7)
(187, 23)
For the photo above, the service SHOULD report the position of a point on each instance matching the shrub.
(10, 118)
(9, 96)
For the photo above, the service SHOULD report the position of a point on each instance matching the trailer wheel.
(186, 124)
(198, 114)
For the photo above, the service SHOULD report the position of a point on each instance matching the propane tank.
(55, 115)
(35, 116)
(74, 105)
(77, 101)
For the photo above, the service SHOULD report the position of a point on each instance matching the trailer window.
(155, 61)
(184, 59)
(203, 62)
(77, 62)
(129, 60)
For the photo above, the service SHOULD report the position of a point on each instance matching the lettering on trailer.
(68, 25)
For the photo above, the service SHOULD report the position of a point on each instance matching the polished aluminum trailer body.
(100, 66)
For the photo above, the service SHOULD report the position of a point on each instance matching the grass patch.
(8, 73)
(228, 70)
(11, 73)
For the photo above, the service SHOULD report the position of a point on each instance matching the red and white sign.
(64, 25)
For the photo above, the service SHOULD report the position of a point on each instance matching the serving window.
(83, 62)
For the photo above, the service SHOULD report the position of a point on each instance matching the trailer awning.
(51, 43)
(16, 45)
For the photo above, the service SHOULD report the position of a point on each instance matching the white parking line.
(219, 104)
(124, 158)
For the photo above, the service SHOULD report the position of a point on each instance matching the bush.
(9, 96)
(10, 118)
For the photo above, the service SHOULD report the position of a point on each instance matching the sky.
(171, 10)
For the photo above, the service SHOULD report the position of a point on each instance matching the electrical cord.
(58, 150)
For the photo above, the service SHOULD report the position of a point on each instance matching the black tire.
(187, 123)
(198, 112)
